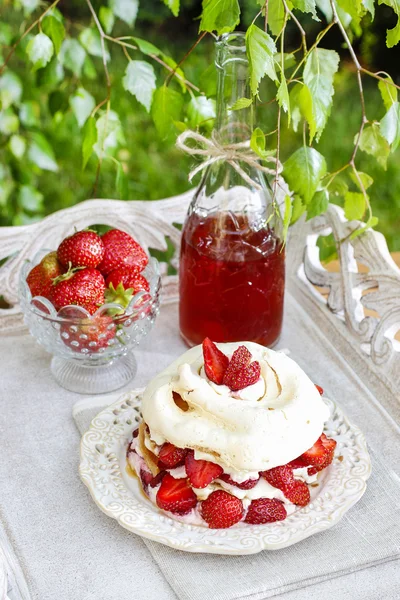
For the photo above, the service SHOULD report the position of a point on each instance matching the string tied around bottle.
(234, 154)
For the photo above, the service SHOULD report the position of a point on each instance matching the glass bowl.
(92, 354)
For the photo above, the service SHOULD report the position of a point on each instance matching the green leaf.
(366, 179)
(354, 8)
(257, 142)
(242, 103)
(201, 110)
(89, 140)
(354, 206)
(51, 75)
(10, 89)
(390, 126)
(29, 113)
(58, 102)
(326, 8)
(370, 6)
(17, 146)
(173, 5)
(146, 47)
(172, 63)
(260, 51)
(140, 81)
(89, 69)
(126, 10)
(121, 182)
(55, 30)
(338, 186)
(298, 208)
(107, 18)
(6, 34)
(91, 41)
(276, 14)
(82, 104)
(393, 35)
(318, 205)
(72, 56)
(289, 60)
(287, 216)
(30, 5)
(109, 133)
(372, 142)
(221, 16)
(283, 97)
(40, 50)
(303, 172)
(388, 92)
(9, 121)
(166, 108)
(30, 199)
(320, 67)
(372, 222)
(302, 106)
(307, 6)
(41, 153)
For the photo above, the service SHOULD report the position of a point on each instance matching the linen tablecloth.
(70, 550)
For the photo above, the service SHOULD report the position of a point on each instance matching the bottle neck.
(233, 126)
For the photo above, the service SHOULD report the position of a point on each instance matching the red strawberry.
(201, 472)
(157, 479)
(128, 278)
(320, 389)
(215, 362)
(279, 477)
(171, 456)
(88, 334)
(298, 493)
(176, 495)
(121, 250)
(265, 510)
(328, 443)
(82, 288)
(221, 510)
(297, 463)
(245, 485)
(146, 477)
(240, 372)
(82, 249)
(40, 278)
(315, 455)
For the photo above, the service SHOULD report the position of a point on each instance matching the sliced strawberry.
(157, 479)
(265, 510)
(313, 470)
(176, 495)
(241, 358)
(279, 477)
(170, 456)
(221, 510)
(201, 472)
(238, 380)
(297, 463)
(315, 455)
(145, 477)
(215, 362)
(328, 443)
(245, 485)
(297, 492)
(320, 389)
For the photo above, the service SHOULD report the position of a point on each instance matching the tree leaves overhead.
(260, 51)
(320, 67)
(173, 5)
(146, 47)
(242, 103)
(89, 140)
(201, 111)
(369, 5)
(109, 133)
(55, 30)
(393, 35)
(276, 14)
(41, 153)
(30, 199)
(221, 16)
(390, 126)
(283, 97)
(40, 49)
(140, 80)
(126, 10)
(107, 18)
(366, 179)
(307, 6)
(354, 8)
(303, 172)
(91, 41)
(388, 92)
(302, 107)
(10, 89)
(372, 142)
(72, 56)
(82, 104)
(354, 206)
(166, 108)
(318, 205)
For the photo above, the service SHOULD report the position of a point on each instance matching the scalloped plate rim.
(212, 548)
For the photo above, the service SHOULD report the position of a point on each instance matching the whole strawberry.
(221, 510)
(82, 288)
(40, 278)
(121, 250)
(82, 249)
(90, 335)
(123, 283)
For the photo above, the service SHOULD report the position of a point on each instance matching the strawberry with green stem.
(82, 249)
(40, 278)
(83, 287)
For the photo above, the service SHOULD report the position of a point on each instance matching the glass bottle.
(232, 261)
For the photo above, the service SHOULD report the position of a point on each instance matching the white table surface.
(48, 513)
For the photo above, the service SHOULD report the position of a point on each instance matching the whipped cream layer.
(265, 425)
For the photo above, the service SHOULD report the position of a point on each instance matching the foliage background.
(41, 139)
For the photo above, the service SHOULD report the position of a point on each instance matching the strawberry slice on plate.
(201, 472)
(215, 362)
(298, 493)
(279, 477)
(265, 510)
(221, 510)
(171, 456)
(315, 455)
(176, 495)
(245, 485)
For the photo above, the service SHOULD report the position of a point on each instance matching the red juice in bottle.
(232, 280)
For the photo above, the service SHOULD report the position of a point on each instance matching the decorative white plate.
(119, 495)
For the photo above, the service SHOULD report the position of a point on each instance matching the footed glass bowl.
(92, 354)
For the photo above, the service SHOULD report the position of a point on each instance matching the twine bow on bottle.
(233, 154)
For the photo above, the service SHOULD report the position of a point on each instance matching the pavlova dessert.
(230, 433)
